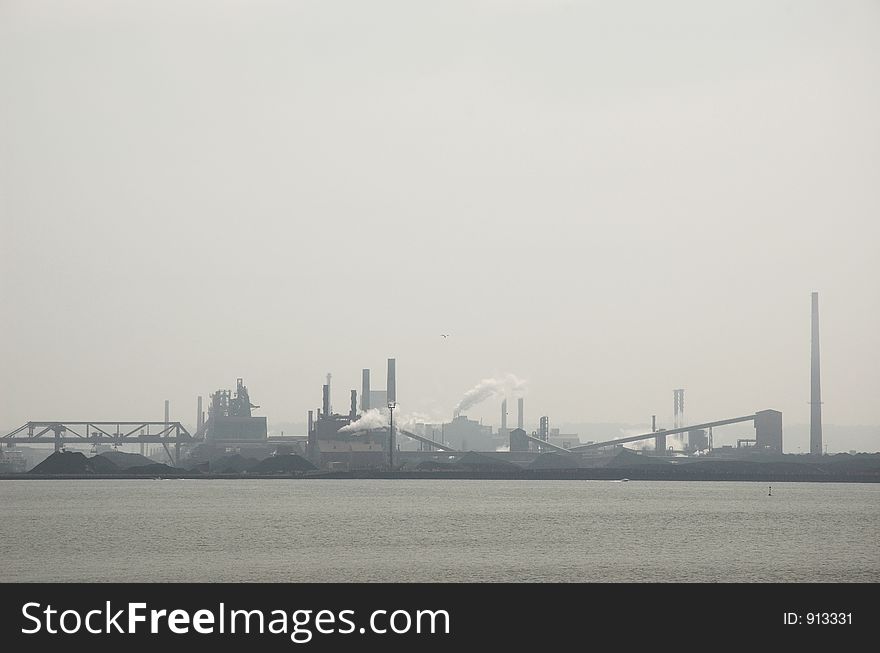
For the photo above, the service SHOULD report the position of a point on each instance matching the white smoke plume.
(638, 445)
(371, 419)
(379, 418)
(414, 422)
(487, 388)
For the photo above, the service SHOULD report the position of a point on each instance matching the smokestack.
(519, 415)
(392, 382)
(352, 414)
(678, 408)
(329, 407)
(815, 390)
(312, 440)
(167, 412)
(653, 423)
(504, 417)
(199, 415)
(365, 391)
(326, 402)
(544, 428)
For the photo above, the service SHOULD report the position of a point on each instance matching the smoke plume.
(371, 419)
(487, 388)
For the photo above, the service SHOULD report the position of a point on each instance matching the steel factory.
(368, 434)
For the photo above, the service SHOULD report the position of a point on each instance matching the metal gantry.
(98, 432)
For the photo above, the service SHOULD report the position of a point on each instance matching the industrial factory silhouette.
(230, 439)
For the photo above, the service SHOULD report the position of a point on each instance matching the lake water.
(438, 530)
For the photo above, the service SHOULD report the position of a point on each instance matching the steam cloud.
(487, 388)
(377, 418)
(371, 419)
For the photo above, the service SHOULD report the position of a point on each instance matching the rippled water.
(433, 530)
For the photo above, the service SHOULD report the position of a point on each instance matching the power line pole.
(391, 407)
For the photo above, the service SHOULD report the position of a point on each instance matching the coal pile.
(155, 469)
(284, 464)
(474, 462)
(125, 460)
(433, 466)
(554, 461)
(629, 458)
(234, 464)
(74, 462)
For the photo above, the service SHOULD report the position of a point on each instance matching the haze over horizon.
(607, 200)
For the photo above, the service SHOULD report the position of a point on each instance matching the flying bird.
(444, 335)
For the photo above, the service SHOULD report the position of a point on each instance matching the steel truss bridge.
(116, 433)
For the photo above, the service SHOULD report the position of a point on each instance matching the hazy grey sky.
(607, 199)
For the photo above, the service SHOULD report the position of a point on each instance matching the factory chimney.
(504, 418)
(519, 413)
(392, 382)
(365, 391)
(352, 413)
(311, 444)
(678, 408)
(329, 407)
(199, 415)
(815, 390)
(326, 403)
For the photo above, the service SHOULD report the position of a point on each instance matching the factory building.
(331, 446)
(230, 417)
(468, 435)
(768, 431)
(697, 440)
(519, 441)
(231, 426)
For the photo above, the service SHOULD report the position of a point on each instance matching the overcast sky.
(607, 199)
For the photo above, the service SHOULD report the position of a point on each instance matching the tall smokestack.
(815, 390)
(312, 439)
(504, 417)
(519, 413)
(329, 407)
(678, 408)
(365, 391)
(199, 415)
(326, 402)
(392, 382)
(352, 413)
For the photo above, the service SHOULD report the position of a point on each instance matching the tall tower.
(815, 390)
(504, 418)
(678, 408)
(392, 381)
(519, 413)
(678, 413)
(365, 390)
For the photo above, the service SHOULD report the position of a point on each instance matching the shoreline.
(603, 474)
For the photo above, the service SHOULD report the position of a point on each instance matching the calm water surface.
(427, 530)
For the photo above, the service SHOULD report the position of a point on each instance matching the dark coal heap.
(125, 460)
(234, 464)
(74, 462)
(284, 464)
(155, 469)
